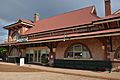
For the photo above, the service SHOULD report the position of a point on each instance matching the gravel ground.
(40, 76)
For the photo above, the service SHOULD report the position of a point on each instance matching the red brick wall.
(94, 45)
(116, 44)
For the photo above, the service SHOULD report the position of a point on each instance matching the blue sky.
(12, 10)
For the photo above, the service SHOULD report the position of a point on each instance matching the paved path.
(66, 73)
(41, 76)
(85, 73)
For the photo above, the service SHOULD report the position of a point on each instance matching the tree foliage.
(3, 52)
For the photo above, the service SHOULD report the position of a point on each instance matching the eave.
(95, 34)
(17, 23)
(106, 20)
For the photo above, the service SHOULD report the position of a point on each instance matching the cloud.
(15, 9)
(3, 38)
(115, 5)
(3, 32)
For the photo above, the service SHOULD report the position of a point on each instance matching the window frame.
(14, 34)
(73, 52)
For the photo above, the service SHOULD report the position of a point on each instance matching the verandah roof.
(102, 33)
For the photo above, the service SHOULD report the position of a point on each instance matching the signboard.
(23, 39)
(22, 61)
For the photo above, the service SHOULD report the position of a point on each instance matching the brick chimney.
(107, 7)
(36, 17)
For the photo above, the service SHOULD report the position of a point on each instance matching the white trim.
(13, 56)
(27, 24)
(77, 59)
(87, 37)
(93, 9)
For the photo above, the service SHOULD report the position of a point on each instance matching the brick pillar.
(107, 47)
(51, 55)
(9, 50)
(9, 36)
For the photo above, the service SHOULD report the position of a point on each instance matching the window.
(15, 36)
(78, 51)
(117, 54)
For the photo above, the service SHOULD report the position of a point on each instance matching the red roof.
(74, 18)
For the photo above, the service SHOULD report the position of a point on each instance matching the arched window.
(14, 52)
(15, 36)
(78, 51)
(117, 53)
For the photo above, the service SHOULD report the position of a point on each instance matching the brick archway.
(15, 49)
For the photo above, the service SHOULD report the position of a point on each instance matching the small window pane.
(70, 49)
(77, 48)
(84, 48)
(85, 55)
(70, 55)
(78, 55)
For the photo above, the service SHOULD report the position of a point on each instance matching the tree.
(3, 53)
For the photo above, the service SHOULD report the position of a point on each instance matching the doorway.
(29, 58)
(38, 56)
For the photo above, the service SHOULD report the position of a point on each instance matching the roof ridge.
(78, 9)
(68, 12)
